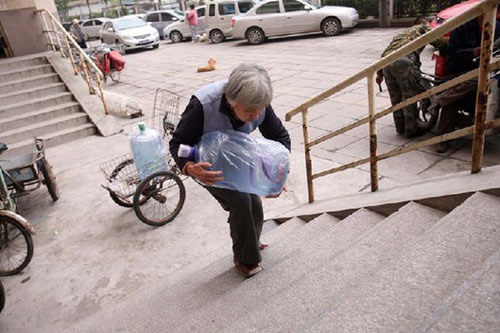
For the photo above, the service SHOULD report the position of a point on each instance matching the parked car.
(67, 26)
(162, 18)
(179, 31)
(91, 28)
(451, 12)
(131, 32)
(286, 17)
(219, 19)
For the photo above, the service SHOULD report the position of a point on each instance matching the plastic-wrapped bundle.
(148, 150)
(249, 164)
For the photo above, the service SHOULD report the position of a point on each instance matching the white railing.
(61, 41)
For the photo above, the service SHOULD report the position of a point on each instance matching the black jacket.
(463, 41)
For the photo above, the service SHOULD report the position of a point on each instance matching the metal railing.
(61, 41)
(486, 8)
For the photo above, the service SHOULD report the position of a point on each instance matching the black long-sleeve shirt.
(463, 41)
(190, 127)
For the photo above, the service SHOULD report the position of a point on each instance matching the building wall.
(23, 27)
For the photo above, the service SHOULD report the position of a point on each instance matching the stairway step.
(7, 111)
(33, 93)
(282, 231)
(26, 83)
(52, 139)
(43, 128)
(26, 72)
(474, 306)
(11, 64)
(35, 117)
(407, 289)
(197, 290)
(298, 305)
(226, 310)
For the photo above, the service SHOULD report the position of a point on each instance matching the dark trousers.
(245, 220)
(403, 79)
(459, 97)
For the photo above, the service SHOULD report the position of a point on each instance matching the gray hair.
(249, 84)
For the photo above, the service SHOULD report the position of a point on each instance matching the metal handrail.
(80, 65)
(486, 8)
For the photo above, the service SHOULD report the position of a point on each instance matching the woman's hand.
(200, 172)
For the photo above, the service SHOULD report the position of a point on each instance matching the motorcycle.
(465, 117)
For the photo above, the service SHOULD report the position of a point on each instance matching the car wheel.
(331, 27)
(255, 36)
(216, 36)
(175, 36)
(156, 46)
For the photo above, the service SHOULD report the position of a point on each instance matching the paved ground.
(91, 254)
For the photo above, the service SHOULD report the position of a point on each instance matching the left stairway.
(35, 102)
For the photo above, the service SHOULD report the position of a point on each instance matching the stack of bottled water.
(148, 151)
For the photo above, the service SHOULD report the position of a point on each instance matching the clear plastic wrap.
(249, 164)
(149, 153)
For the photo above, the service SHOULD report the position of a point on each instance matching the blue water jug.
(148, 150)
(249, 164)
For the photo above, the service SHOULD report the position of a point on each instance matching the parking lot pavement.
(91, 254)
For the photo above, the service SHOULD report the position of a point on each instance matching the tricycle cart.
(158, 198)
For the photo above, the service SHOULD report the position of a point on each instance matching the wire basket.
(165, 112)
(123, 176)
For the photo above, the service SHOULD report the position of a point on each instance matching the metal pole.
(57, 37)
(489, 20)
(70, 52)
(373, 133)
(46, 27)
(307, 151)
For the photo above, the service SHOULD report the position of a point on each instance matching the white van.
(218, 19)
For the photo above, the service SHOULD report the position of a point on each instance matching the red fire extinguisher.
(439, 69)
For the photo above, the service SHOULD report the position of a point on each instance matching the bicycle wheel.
(122, 170)
(16, 246)
(49, 179)
(115, 75)
(167, 195)
(2, 297)
(427, 117)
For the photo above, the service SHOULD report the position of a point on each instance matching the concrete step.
(51, 139)
(33, 93)
(42, 115)
(282, 231)
(412, 285)
(26, 83)
(25, 72)
(295, 264)
(474, 306)
(299, 304)
(198, 290)
(43, 128)
(11, 64)
(12, 110)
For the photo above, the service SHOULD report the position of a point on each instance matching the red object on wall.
(439, 68)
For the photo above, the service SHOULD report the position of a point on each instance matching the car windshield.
(129, 23)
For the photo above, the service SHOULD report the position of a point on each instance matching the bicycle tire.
(50, 179)
(426, 118)
(114, 174)
(115, 76)
(8, 235)
(152, 188)
(2, 297)
(116, 171)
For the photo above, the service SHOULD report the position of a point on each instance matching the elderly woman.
(77, 34)
(241, 103)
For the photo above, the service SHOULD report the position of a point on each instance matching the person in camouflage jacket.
(403, 76)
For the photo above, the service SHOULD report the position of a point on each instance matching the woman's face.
(247, 113)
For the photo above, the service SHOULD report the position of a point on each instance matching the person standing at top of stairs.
(77, 34)
(241, 103)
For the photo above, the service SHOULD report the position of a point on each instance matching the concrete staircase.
(418, 269)
(35, 102)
